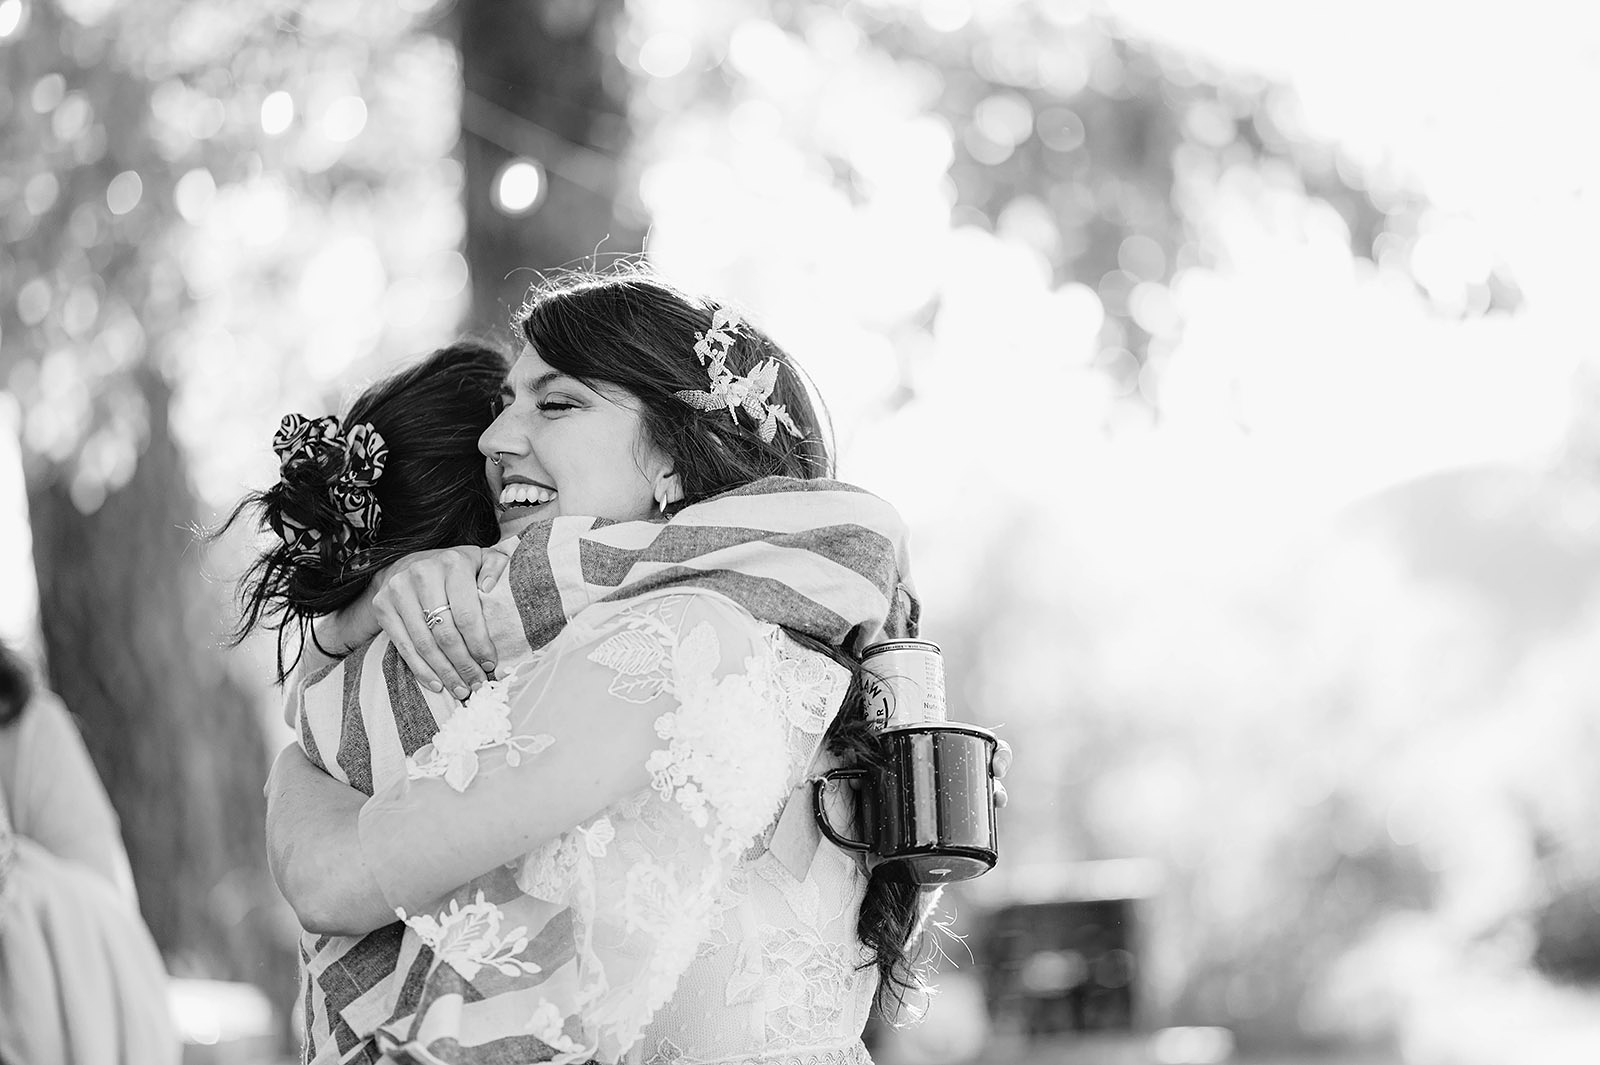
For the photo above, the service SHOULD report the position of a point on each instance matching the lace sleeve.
(599, 807)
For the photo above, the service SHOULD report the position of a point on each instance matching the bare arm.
(314, 850)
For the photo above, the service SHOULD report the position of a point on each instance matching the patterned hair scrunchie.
(360, 454)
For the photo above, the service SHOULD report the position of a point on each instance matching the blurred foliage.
(212, 211)
(253, 199)
(1092, 156)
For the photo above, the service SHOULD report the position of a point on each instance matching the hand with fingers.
(428, 604)
(1000, 765)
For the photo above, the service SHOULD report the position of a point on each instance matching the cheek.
(629, 492)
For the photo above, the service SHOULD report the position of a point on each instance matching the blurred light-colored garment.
(81, 982)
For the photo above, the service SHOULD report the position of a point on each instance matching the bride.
(606, 852)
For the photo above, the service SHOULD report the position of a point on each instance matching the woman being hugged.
(398, 472)
(607, 852)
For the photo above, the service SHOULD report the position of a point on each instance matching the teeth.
(525, 494)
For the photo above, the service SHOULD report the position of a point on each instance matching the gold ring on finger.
(436, 615)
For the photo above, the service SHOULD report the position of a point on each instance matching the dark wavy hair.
(16, 686)
(635, 331)
(432, 494)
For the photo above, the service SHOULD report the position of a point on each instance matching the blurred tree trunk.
(541, 81)
(129, 621)
(129, 624)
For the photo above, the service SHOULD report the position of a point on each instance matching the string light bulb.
(519, 187)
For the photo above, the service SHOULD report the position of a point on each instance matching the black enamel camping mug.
(926, 813)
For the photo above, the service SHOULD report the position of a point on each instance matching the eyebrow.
(537, 383)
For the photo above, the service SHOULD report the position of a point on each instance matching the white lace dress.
(611, 856)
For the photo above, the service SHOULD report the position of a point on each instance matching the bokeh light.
(124, 192)
(344, 119)
(277, 112)
(12, 12)
(520, 186)
(664, 54)
(194, 194)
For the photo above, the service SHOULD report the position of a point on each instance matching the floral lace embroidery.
(548, 1025)
(808, 687)
(721, 755)
(483, 721)
(802, 990)
(716, 730)
(548, 872)
(669, 1053)
(598, 836)
(792, 971)
(640, 656)
(469, 938)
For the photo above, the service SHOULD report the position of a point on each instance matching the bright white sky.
(1488, 109)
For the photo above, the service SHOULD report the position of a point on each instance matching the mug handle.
(819, 787)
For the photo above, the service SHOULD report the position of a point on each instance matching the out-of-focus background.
(1234, 363)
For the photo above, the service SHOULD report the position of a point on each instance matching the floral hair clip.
(731, 392)
(302, 441)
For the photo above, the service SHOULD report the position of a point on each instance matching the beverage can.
(903, 683)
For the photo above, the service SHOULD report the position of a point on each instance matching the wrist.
(350, 626)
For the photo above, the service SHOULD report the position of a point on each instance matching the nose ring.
(495, 458)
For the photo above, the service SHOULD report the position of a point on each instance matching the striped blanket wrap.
(820, 558)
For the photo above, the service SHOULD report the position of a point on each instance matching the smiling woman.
(646, 346)
(561, 446)
(630, 400)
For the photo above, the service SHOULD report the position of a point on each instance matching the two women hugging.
(584, 626)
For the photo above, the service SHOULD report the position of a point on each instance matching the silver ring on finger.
(436, 616)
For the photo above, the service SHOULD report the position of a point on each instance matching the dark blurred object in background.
(1064, 966)
(544, 126)
(1567, 935)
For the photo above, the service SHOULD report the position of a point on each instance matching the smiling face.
(567, 448)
